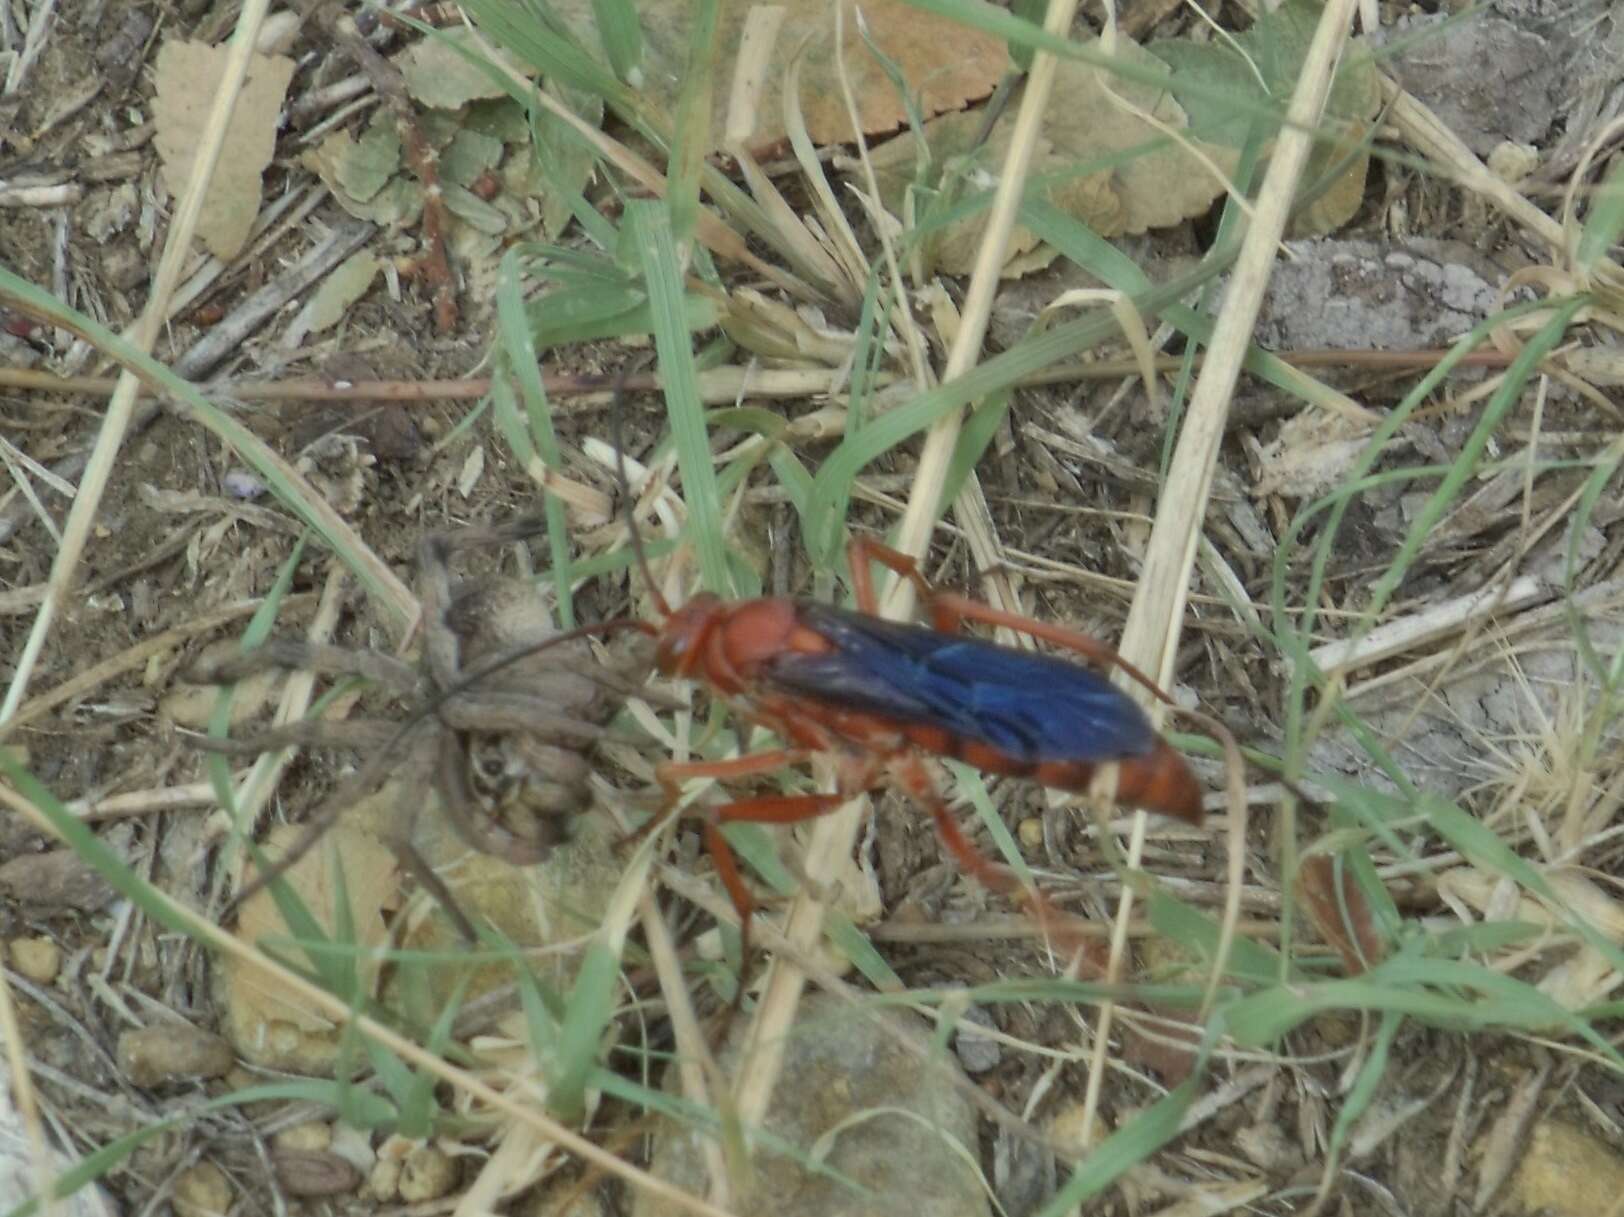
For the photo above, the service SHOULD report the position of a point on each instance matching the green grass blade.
(523, 361)
(1605, 221)
(656, 250)
(694, 138)
(621, 36)
(1364, 1086)
(1126, 1148)
(216, 765)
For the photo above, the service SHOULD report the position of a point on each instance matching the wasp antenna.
(617, 434)
(504, 659)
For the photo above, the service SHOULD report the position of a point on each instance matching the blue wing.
(1029, 706)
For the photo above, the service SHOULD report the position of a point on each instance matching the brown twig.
(421, 157)
(566, 384)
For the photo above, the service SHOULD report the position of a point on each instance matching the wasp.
(880, 697)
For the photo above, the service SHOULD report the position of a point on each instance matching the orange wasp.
(879, 697)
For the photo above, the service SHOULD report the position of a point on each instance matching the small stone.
(283, 1036)
(1512, 162)
(310, 1137)
(125, 266)
(157, 1056)
(1567, 1172)
(202, 1191)
(840, 1065)
(56, 880)
(1066, 1130)
(977, 1053)
(384, 1181)
(278, 33)
(315, 1173)
(39, 959)
(241, 484)
(1268, 1146)
(544, 1202)
(427, 1174)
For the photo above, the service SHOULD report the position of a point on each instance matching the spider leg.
(371, 776)
(497, 710)
(361, 735)
(415, 864)
(442, 648)
(319, 658)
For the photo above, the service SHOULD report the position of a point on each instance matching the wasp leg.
(911, 774)
(768, 809)
(864, 550)
(672, 774)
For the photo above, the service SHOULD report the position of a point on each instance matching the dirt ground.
(185, 534)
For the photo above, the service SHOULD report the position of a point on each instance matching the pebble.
(240, 484)
(976, 1053)
(202, 1191)
(56, 880)
(841, 1098)
(1568, 1172)
(313, 1136)
(39, 959)
(427, 1174)
(303, 1172)
(158, 1056)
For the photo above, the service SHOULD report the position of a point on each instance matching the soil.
(181, 536)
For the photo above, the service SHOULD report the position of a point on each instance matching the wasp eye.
(669, 654)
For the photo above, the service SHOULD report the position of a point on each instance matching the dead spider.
(502, 724)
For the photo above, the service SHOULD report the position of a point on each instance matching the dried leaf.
(440, 77)
(188, 76)
(472, 468)
(337, 292)
(945, 64)
(1262, 65)
(1312, 453)
(1339, 911)
(334, 160)
(474, 211)
(468, 156)
(501, 118)
(368, 163)
(266, 1023)
(1093, 116)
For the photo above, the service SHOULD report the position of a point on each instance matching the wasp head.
(682, 637)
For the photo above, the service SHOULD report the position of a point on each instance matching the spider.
(504, 744)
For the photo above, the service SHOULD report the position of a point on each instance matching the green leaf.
(1228, 83)
(1605, 221)
(522, 358)
(621, 36)
(1032, 11)
(655, 245)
